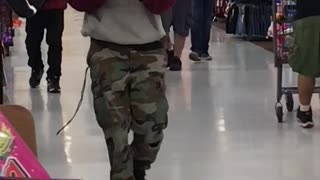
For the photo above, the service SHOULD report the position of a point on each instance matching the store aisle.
(222, 122)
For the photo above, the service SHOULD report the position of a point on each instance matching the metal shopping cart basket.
(283, 16)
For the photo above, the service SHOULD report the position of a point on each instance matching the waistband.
(137, 47)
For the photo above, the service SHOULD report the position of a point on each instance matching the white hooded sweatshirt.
(125, 22)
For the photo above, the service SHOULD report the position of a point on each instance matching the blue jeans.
(202, 15)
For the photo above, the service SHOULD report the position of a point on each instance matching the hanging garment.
(220, 8)
(253, 21)
(232, 18)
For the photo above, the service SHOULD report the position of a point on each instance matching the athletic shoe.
(54, 86)
(170, 56)
(194, 56)
(206, 57)
(35, 78)
(305, 119)
(176, 64)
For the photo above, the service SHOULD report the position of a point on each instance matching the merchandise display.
(284, 17)
(220, 8)
(232, 13)
(249, 19)
(17, 160)
(17, 152)
(6, 40)
(8, 23)
(6, 26)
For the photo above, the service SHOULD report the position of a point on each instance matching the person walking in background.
(51, 19)
(127, 64)
(202, 15)
(179, 17)
(304, 56)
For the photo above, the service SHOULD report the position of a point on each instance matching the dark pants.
(53, 23)
(202, 14)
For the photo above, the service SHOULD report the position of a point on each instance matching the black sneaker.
(305, 119)
(170, 56)
(139, 174)
(35, 78)
(176, 64)
(194, 56)
(54, 86)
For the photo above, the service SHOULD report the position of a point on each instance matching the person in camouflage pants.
(129, 94)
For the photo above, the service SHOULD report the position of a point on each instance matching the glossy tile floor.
(222, 122)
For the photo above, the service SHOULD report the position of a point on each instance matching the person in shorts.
(180, 18)
(304, 56)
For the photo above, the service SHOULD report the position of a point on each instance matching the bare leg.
(306, 86)
(304, 114)
(179, 42)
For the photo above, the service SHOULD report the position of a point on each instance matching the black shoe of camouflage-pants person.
(129, 94)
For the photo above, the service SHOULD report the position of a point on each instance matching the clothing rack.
(220, 8)
(249, 19)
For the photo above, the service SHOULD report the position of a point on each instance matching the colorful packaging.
(16, 159)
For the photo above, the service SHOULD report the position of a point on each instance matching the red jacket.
(158, 6)
(154, 6)
(55, 5)
(86, 5)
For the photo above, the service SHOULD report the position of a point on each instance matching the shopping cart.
(283, 16)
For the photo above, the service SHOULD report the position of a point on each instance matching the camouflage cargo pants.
(129, 94)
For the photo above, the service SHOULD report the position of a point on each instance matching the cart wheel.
(279, 113)
(289, 101)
